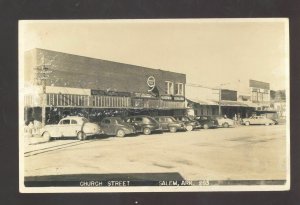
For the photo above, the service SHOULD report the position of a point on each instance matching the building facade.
(77, 85)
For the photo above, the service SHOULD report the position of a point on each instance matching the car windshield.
(170, 119)
(85, 120)
(119, 120)
(185, 119)
(148, 120)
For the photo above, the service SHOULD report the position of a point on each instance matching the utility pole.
(43, 71)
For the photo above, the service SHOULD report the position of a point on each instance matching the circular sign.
(151, 83)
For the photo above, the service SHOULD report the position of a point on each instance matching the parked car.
(207, 122)
(143, 123)
(224, 122)
(188, 122)
(116, 126)
(170, 123)
(71, 126)
(257, 120)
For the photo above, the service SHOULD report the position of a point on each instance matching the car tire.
(267, 124)
(81, 136)
(205, 126)
(120, 133)
(173, 129)
(147, 131)
(189, 128)
(225, 125)
(46, 136)
(247, 123)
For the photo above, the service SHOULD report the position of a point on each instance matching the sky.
(210, 52)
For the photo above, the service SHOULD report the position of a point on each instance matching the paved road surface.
(242, 153)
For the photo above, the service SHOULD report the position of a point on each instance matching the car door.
(75, 127)
(105, 125)
(262, 120)
(162, 122)
(64, 128)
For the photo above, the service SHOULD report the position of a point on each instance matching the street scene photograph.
(154, 105)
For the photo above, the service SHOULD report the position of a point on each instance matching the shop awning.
(233, 104)
(203, 102)
(224, 103)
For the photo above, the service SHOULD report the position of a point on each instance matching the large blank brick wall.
(83, 72)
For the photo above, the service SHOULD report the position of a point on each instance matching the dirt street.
(242, 153)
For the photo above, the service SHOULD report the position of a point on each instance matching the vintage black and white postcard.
(154, 105)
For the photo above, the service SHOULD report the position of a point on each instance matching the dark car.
(170, 123)
(143, 123)
(116, 126)
(188, 122)
(207, 122)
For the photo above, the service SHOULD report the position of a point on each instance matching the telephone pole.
(43, 72)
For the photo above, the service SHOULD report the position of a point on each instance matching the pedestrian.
(235, 119)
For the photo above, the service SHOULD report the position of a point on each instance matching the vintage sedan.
(224, 122)
(257, 120)
(188, 122)
(143, 123)
(116, 126)
(207, 122)
(170, 123)
(71, 126)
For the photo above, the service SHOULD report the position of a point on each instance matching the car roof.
(138, 116)
(112, 118)
(73, 117)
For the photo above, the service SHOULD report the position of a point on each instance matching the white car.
(225, 122)
(257, 120)
(72, 126)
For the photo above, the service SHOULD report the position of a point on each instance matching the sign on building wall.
(229, 95)
(259, 84)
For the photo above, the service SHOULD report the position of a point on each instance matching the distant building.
(77, 85)
(278, 102)
(260, 94)
(241, 98)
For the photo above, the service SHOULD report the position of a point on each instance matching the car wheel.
(247, 123)
(189, 128)
(226, 125)
(46, 136)
(120, 133)
(81, 136)
(147, 131)
(205, 126)
(173, 129)
(267, 124)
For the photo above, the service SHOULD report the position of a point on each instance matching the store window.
(254, 96)
(178, 89)
(259, 97)
(169, 87)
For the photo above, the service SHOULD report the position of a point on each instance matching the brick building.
(77, 85)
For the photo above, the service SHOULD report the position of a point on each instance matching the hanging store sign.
(166, 97)
(110, 93)
(179, 98)
(98, 92)
(143, 95)
(151, 83)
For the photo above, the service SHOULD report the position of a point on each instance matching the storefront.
(212, 102)
(94, 88)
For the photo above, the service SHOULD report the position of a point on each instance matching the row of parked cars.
(80, 127)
